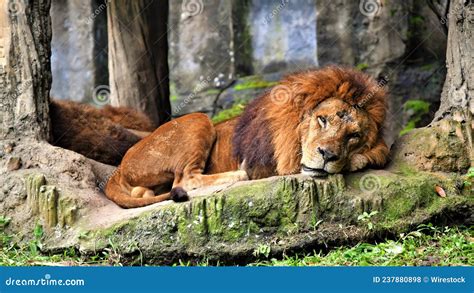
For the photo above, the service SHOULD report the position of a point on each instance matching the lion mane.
(266, 137)
(103, 135)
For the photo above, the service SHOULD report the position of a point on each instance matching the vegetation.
(427, 246)
(416, 109)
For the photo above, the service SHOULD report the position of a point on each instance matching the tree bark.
(458, 90)
(25, 72)
(138, 56)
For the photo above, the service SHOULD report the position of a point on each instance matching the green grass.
(427, 246)
(29, 254)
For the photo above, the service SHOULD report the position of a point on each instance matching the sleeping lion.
(316, 122)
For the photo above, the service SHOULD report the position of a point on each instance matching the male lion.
(315, 122)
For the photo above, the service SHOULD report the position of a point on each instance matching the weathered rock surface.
(60, 190)
(79, 48)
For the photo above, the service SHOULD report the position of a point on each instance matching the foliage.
(426, 246)
(365, 218)
(469, 177)
(416, 110)
(262, 250)
(29, 254)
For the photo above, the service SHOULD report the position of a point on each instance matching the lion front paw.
(358, 162)
(242, 175)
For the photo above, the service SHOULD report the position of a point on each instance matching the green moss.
(417, 109)
(362, 66)
(234, 111)
(253, 82)
(418, 106)
(408, 127)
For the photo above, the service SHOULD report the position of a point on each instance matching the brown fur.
(176, 154)
(99, 134)
(272, 137)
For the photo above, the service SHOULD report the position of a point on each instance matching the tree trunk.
(138, 56)
(25, 73)
(458, 90)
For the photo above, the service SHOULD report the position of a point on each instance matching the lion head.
(330, 135)
(315, 122)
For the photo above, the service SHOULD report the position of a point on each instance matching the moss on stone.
(253, 82)
(236, 110)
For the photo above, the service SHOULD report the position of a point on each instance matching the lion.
(315, 122)
(103, 134)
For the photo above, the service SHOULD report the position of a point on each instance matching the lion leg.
(192, 176)
(198, 180)
(139, 191)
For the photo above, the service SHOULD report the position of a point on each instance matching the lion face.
(330, 136)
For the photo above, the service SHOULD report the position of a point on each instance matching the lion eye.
(322, 121)
(354, 135)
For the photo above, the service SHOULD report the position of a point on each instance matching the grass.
(427, 246)
(29, 254)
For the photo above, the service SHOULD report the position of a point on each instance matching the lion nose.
(328, 156)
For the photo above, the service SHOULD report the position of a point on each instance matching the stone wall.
(79, 48)
(213, 43)
(222, 54)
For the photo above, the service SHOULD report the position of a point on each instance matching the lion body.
(271, 137)
(100, 134)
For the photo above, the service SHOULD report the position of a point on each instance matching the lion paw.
(242, 175)
(358, 162)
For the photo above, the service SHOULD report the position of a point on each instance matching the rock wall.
(222, 54)
(79, 48)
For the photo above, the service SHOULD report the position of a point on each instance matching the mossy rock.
(283, 213)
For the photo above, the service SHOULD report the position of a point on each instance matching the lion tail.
(120, 194)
